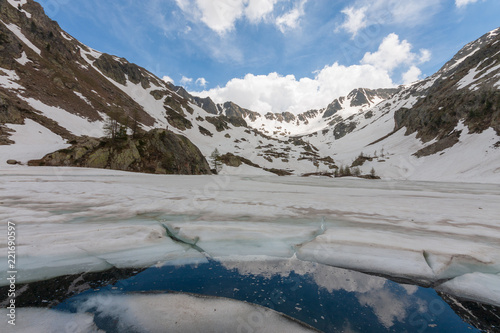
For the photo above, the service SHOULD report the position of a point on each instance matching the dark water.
(329, 299)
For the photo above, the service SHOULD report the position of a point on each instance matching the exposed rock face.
(157, 151)
(120, 69)
(232, 110)
(231, 160)
(332, 108)
(206, 104)
(465, 89)
(343, 128)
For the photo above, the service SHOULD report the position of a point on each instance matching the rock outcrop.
(157, 151)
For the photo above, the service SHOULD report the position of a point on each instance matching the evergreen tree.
(215, 157)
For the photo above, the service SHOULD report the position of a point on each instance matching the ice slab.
(475, 286)
(188, 313)
(31, 320)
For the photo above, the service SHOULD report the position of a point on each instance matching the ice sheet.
(73, 219)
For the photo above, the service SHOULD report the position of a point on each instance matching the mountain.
(286, 124)
(56, 91)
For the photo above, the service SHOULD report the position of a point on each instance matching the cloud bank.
(278, 93)
(221, 15)
(365, 13)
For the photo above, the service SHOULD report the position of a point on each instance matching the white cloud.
(184, 4)
(355, 20)
(278, 93)
(391, 54)
(221, 15)
(425, 55)
(186, 80)
(408, 13)
(168, 79)
(291, 19)
(463, 3)
(201, 82)
(413, 74)
(257, 10)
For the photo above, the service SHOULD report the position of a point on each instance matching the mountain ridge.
(68, 90)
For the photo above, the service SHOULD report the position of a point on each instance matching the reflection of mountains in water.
(327, 298)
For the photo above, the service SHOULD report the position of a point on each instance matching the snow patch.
(73, 123)
(244, 169)
(17, 3)
(66, 36)
(32, 141)
(470, 78)
(23, 60)
(82, 97)
(17, 31)
(8, 79)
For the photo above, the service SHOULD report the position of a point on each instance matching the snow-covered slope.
(50, 81)
(445, 127)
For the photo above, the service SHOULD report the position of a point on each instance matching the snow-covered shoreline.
(72, 220)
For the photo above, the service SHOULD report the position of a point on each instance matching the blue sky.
(279, 55)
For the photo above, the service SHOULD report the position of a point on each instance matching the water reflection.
(329, 299)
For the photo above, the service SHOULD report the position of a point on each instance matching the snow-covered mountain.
(286, 124)
(54, 89)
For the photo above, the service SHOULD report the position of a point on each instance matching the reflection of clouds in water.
(348, 329)
(327, 277)
(388, 305)
(410, 289)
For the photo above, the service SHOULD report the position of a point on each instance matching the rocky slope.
(54, 90)
(465, 89)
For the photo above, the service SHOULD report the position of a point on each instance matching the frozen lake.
(72, 221)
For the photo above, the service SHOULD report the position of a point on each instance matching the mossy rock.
(98, 159)
(231, 160)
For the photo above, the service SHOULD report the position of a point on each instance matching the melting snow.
(73, 220)
(17, 31)
(32, 141)
(8, 79)
(23, 60)
(73, 123)
(82, 97)
(66, 36)
(16, 3)
(471, 77)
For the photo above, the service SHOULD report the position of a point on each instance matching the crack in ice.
(177, 239)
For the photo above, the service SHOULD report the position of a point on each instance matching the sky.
(279, 55)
